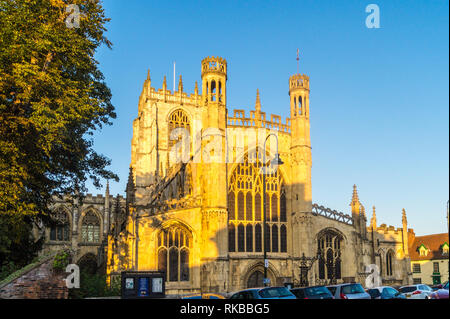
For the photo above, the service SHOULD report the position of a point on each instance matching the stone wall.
(37, 281)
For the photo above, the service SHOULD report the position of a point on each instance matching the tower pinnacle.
(355, 197)
(180, 84)
(373, 221)
(258, 102)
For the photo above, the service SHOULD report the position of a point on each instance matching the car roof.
(318, 286)
(256, 289)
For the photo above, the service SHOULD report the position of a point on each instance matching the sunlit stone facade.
(195, 206)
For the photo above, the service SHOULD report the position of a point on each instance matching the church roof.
(431, 242)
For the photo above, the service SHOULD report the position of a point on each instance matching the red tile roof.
(432, 242)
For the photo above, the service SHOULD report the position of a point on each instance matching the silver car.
(420, 291)
(349, 291)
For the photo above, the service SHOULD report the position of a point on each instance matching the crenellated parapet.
(258, 120)
(299, 81)
(214, 65)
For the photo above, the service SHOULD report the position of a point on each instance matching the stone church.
(207, 195)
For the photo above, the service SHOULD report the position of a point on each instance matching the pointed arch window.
(60, 228)
(178, 119)
(249, 237)
(90, 228)
(174, 254)
(246, 187)
(389, 263)
(330, 252)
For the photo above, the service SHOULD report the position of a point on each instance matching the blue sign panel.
(143, 287)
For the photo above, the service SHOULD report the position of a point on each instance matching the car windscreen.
(352, 289)
(332, 290)
(274, 292)
(317, 291)
(298, 293)
(408, 289)
(446, 286)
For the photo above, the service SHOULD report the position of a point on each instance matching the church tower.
(300, 149)
(300, 143)
(213, 172)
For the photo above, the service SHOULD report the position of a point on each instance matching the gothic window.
(241, 238)
(389, 269)
(90, 228)
(248, 207)
(249, 237)
(245, 207)
(258, 238)
(274, 202)
(241, 206)
(258, 214)
(60, 229)
(275, 238)
(329, 247)
(267, 237)
(283, 213)
(283, 239)
(184, 264)
(173, 254)
(178, 119)
(231, 206)
(173, 264)
(231, 238)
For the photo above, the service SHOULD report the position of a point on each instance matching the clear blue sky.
(379, 97)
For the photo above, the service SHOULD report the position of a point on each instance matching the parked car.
(316, 292)
(203, 296)
(385, 292)
(420, 291)
(348, 291)
(264, 293)
(441, 293)
(437, 287)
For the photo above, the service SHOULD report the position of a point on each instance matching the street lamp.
(276, 161)
(306, 264)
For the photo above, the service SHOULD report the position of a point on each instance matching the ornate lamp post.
(276, 161)
(306, 264)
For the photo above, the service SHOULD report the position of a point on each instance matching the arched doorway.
(88, 264)
(255, 279)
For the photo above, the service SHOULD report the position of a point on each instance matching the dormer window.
(423, 251)
(444, 248)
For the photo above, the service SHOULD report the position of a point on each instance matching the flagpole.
(298, 61)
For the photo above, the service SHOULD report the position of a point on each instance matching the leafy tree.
(52, 98)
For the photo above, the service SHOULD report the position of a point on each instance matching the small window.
(417, 281)
(436, 267)
(416, 268)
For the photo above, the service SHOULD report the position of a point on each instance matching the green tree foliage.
(52, 98)
(94, 285)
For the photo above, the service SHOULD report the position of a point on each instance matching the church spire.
(196, 88)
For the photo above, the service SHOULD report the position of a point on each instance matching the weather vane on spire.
(298, 61)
